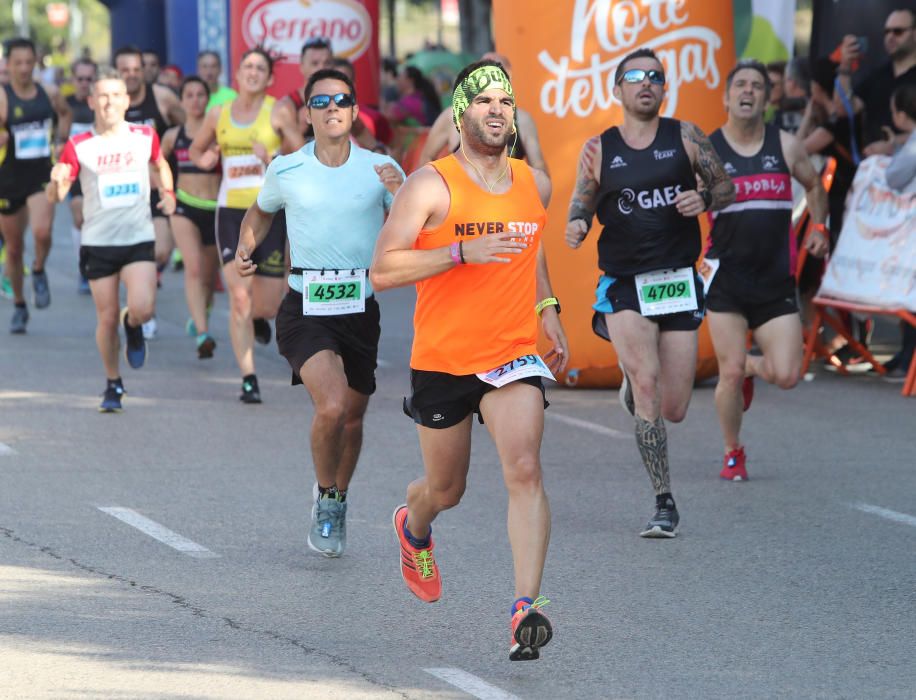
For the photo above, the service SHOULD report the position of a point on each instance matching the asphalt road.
(796, 584)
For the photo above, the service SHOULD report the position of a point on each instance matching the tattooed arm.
(708, 165)
(585, 195)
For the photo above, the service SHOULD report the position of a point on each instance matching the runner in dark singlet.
(30, 115)
(641, 179)
(158, 107)
(83, 71)
(749, 264)
(194, 220)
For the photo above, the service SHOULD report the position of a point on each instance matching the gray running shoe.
(19, 320)
(626, 393)
(41, 291)
(328, 533)
(664, 523)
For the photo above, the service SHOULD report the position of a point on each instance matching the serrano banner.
(283, 26)
(563, 73)
(875, 258)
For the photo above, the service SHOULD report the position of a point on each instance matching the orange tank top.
(474, 318)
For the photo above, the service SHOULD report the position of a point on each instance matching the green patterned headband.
(483, 78)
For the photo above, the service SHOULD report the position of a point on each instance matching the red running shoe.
(734, 468)
(530, 630)
(418, 566)
(747, 391)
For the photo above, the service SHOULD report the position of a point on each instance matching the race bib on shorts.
(524, 366)
(32, 140)
(332, 292)
(666, 291)
(117, 190)
(243, 172)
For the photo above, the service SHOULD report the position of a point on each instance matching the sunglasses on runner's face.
(341, 99)
(896, 31)
(637, 75)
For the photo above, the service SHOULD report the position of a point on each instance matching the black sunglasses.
(317, 42)
(341, 99)
(637, 75)
(896, 31)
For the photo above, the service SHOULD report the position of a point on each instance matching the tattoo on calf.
(652, 440)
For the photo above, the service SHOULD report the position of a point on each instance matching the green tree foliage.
(95, 35)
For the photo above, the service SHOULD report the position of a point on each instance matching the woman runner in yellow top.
(249, 131)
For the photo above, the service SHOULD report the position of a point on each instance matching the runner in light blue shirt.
(333, 214)
(335, 195)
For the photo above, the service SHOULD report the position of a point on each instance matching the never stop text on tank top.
(644, 235)
(476, 318)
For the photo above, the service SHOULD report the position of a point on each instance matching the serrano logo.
(284, 25)
(647, 199)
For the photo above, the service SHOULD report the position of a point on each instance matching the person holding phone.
(872, 91)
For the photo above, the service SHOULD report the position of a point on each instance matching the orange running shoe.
(418, 566)
(747, 392)
(734, 468)
(530, 630)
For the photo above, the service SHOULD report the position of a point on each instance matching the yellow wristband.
(549, 301)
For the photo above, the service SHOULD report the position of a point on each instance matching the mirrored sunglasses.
(637, 75)
(341, 99)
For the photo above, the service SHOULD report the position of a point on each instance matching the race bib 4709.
(666, 291)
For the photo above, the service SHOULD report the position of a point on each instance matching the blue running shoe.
(40, 289)
(135, 347)
(111, 399)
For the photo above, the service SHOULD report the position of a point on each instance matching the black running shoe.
(205, 346)
(262, 330)
(111, 399)
(250, 392)
(664, 523)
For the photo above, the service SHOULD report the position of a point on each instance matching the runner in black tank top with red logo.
(641, 180)
(749, 267)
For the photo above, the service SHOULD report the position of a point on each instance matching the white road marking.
(471, 684)
(6, 449)
(885, 513)
(383, 363)
(594, 427)
(159, 532)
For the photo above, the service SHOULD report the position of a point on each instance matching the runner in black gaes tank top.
(158, 107)
(641, 179)
(31, 115)
(748, 266)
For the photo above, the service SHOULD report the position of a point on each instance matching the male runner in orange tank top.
(466, 230)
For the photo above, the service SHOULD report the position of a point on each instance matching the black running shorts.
(724, 297)
(615, 294)
(203, 219)
(441, 400)
(11, 205)
(270, 256)
(97, 261)
(354, 337)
